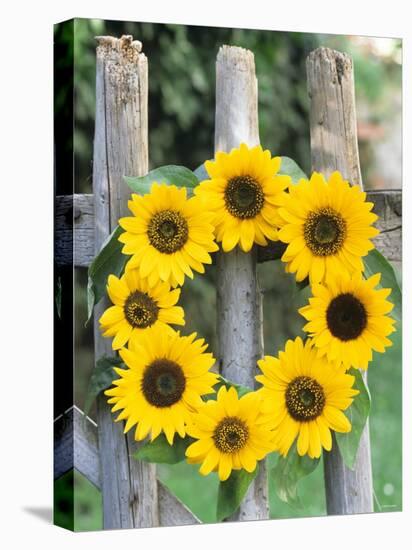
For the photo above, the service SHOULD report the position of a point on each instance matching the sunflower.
(348, 319)
(168, 236)
(244, 192)
(138, 307)
(327, 225)
(305, 396)
(166, 376)
(231, 434)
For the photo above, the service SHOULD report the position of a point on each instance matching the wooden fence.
(132, 496)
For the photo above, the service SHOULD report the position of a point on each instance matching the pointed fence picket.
(132, 496)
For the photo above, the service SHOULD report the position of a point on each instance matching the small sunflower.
(244, 193)
(231, 434)
(327, 225)
(348, 319)
(305, 396)
(168, 236)
(165, 378)
(138, 307)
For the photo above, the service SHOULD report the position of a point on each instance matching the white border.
(26, 269)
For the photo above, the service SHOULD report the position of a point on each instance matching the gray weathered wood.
(74, 230)
(334, 146)
(333, 134)
(388, 206)
(120, 148)
(239, 322)
(75, 446)
(171, 510)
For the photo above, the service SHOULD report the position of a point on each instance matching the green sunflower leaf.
(288, 472)
(289, 167)
(201, 173)
(160, 452)
(241, 390)
(171, 175)
(375, 262)
(357, 414)
(109, 261)
(101, 378)
(232, 491)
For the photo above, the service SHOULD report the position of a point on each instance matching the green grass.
(77, 503)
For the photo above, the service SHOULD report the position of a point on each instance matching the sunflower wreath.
(164, 384)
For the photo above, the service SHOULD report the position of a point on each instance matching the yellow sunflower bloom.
(138, 307)
(305, 396)
(327, 226)
(348, 319)
(231, 434)
(244, 193)
(168, 236)
(165, 378)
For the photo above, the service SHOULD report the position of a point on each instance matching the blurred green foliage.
(182, 88)
(181, 131)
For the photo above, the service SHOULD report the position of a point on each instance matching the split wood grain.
(239, 306)
(129, 487)
(334, 146)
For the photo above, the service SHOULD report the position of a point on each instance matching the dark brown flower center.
(244, 197)
(168, 231)
(140, 310)
(324, 232)
(230, 435)
(305, 399)
(346, 317)
(163, 383)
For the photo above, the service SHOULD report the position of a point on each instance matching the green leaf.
(109, 260)
(375, 262)
(232, 491)
(160, 452)
(201, 173)
(288, 472)
(101, 378)
(289, 167)
(171, 175)
(357, 414)
(241, 390)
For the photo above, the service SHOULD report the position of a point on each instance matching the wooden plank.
(75, 446)
(333, 135)
(120, 148)
(334, 146)
(388, 206)
(172, 511)
(239, 315)
(74, 233)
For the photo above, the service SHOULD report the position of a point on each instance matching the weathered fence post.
(334, 146)
(239, 322)
(129, 487)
